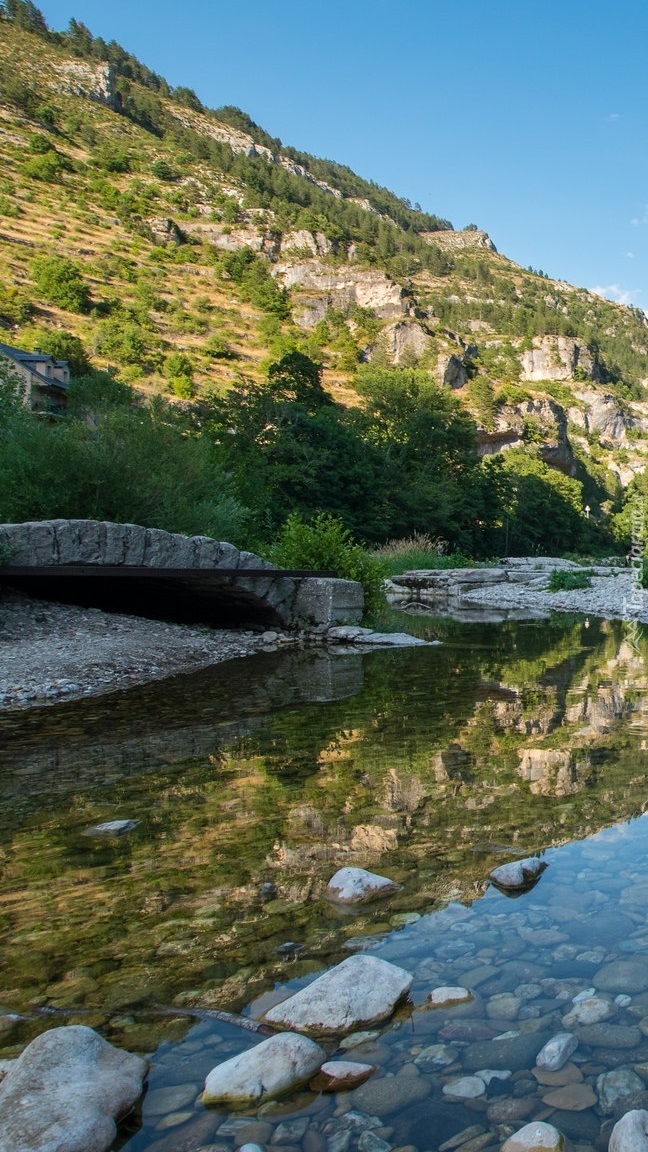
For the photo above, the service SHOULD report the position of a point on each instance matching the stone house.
(46, 380)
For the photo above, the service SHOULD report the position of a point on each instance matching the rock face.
(451, 371)
(402, 342)
(65, 1092)
(360, 991)
(321, 287)
(357, 886)
(557, 358)
(94, 81)
(630, 1134)
(603, 415)
(452, 241)
(272, 1068)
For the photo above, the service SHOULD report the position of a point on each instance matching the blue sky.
(528, 120)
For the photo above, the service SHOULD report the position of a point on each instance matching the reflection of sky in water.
(431, 765)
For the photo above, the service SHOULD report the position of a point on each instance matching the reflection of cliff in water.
(430, 765)
(126, 733)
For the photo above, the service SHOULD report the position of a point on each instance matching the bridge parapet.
(196, 574)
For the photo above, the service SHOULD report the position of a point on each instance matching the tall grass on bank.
(419, 551)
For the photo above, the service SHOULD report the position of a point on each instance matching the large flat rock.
(360, 991)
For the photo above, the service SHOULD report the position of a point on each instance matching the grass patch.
(419, 551)
(566, 580)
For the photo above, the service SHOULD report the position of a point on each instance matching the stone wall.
(314, 603)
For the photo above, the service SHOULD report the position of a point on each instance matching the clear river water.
(250, 784)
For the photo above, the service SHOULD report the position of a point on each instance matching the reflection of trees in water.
(444, 758)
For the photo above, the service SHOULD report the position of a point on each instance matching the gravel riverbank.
(51, 652)
(609, 596)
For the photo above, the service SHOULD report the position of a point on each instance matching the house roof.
(30, 359)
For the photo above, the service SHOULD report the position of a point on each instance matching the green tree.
(61, 282)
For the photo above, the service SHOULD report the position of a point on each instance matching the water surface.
(253, 782)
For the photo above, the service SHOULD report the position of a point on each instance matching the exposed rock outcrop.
(557, 358)
(451, 371)
(450, 240)
(94, 81)
(165, 231)
(403, 342)
(602, 414)
(339, 288)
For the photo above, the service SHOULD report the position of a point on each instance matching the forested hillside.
(255, 332)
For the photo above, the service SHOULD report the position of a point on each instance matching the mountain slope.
(203, 249)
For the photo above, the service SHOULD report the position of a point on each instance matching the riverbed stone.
(447, 995)
(509, 1052)
(609, 1036)
(571, 1097)
(518, 874)
(623, 976)
(362, 990)
(630, 1133)
(510, 1109)
(65, 1092)
(612, 1086)
(592, 1010)
(272, 1068)
(557, 1051)
(464, 1088)
(535, 1137)
(391, 1094)
(341, 1075)
(358, 886)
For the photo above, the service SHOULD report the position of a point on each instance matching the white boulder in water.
(65, 1092)
(518, 874)
(357, 886)
(272, 1068)
(630, 1134)
(360, 991)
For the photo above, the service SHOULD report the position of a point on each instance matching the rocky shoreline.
(51, 652)
(520, 586)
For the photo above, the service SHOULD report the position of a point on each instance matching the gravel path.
(50, 652)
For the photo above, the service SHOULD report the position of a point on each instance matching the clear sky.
(529, 120)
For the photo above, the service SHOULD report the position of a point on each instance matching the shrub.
(324, 543)
(48, 166)
(60, 282)
(566, 580)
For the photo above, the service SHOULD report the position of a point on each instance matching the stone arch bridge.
(149, 572)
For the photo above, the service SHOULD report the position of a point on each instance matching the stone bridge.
(149, 572)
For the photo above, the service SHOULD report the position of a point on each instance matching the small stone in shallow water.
(568, 1074)
(357, 1038)
(462, 1138)
(446, 996)
(465, 1088)
(557, 1051)
(518, 874)
(535, 1137)
(612, 1086)
(571, 1097)
(592, 1010)
(436, 1056)
(340, 1075)
(358, 886)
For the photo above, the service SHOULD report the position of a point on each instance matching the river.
(250, 784)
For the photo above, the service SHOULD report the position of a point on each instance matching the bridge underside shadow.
(189, 597)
